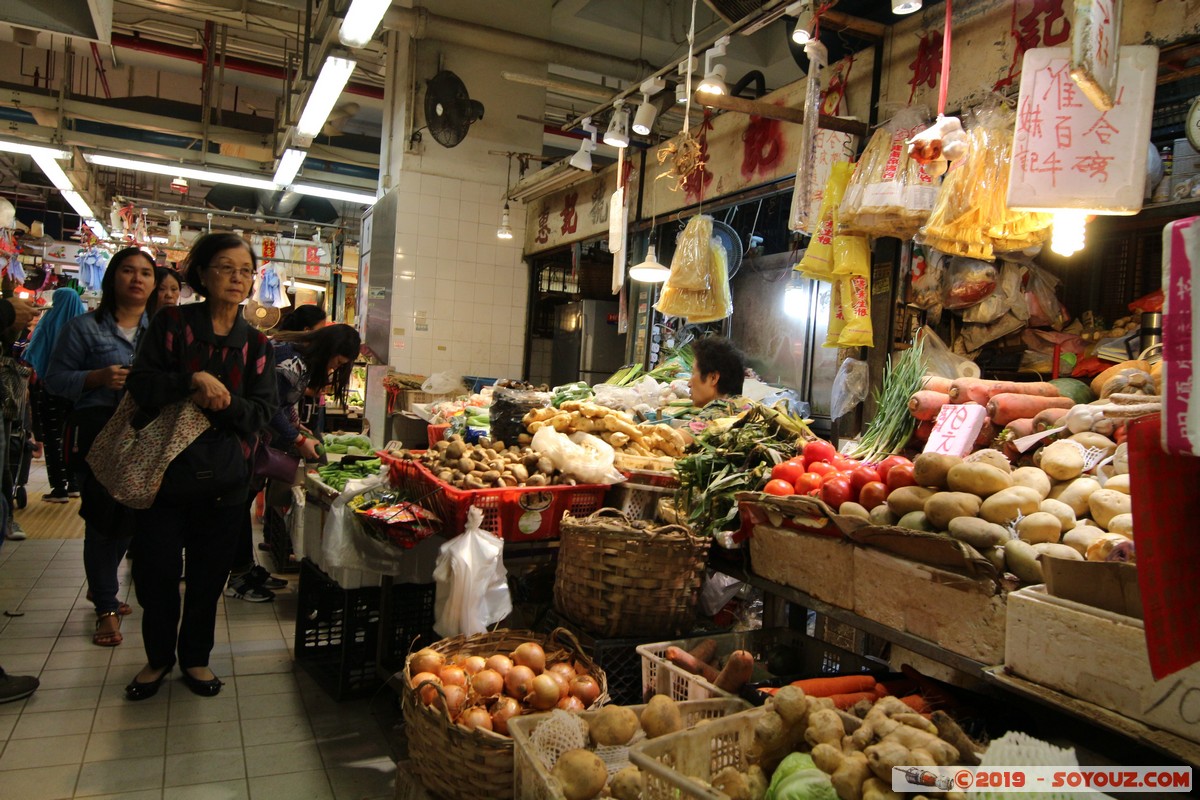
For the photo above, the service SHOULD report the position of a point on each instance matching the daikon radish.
(1005, 407)
(977, 390)
(925, 404)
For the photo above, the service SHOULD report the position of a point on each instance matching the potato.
(978, 533)
(853, 510)
(945, 506)
(614, 726)
(930, 469)
(1033, 478)
(581, 773)
(1083, 537)
(1122, 524)
(996, 556)
(1004, 507)
(661, 716)
(1096, 440)
(626, 784)
(917, 521)
(908, 499)
(992, 458)
(982, 480)
(882, 515)
(1062, 461)
(1058, 551)
(1039, 527)
(1118, 483)
(1065, 514)
(1022, 561)
(1076, 494)
(1106, 504)
(1121, 459)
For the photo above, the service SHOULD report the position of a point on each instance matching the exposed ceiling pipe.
(571, 88)
(100, 71)
(420, 24)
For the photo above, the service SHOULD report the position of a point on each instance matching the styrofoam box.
(962, 614)
(822, 566)
(1097, 656)
(1185, 161)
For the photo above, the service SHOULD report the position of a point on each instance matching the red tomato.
(836, 491)
(844, 464)
(836, 474)
(807, 483)
(821, 468)
(883, 467)
(778, 487)
(787, 471)
(900, 475)
(861, 476)
(818, 451)
(873, 494)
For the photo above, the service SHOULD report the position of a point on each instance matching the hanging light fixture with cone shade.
(617, 134)
(583, 159)
(714, 74)
(905, 6)
(649, 270)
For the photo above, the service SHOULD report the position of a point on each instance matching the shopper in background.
(312, 406)
(14, 316)
(209, 353)
(49, 410)
(303, 318)
(718, 372)
(168, 285)
(304, 362)
(89, 367)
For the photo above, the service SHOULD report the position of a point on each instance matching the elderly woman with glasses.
(208, 354)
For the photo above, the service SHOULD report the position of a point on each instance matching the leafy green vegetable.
(797, 778)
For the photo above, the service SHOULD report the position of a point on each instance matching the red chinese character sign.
(1068, 154)
(1094, 50)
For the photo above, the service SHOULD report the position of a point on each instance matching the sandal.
(107, 638)
(124, 609)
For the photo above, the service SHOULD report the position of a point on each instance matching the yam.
(931, 469)
(907, 499)
(1022, 561)
(1039, 527)
(1033, 478)
(981, 480)
(978, 533)
(946, 506)
(1065, 514)
(1106, 504)
(1063, 461)
(1006, 506)
(1075, 494)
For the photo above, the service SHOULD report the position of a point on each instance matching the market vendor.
(717, 376)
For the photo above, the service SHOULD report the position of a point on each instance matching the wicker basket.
(682, 765)
(532, 779)
(623, 578)
(453, 762)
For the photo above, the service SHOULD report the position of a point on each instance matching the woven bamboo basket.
(454, 763)
(618, 577)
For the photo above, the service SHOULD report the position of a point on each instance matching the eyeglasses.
(228, 271)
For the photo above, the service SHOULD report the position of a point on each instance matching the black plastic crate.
(337, 630)
(278, 540)
(410, 623)
(618, 658)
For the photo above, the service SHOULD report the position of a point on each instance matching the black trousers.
(49, 418)
(209, 534)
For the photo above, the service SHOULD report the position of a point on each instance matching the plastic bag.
(509, 407)
(690, 265)
(855, 291)
(1041, 295)
(849, 387)
(1008, 297)
(704, 305)
(1152, 302)
(890, 194)
(472, 583)
(345, 546)
(937, 356)
(444, 383)
(587, 458)
(968, 281)
(817, 262)
(717, 591)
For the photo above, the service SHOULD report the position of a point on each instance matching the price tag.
(956, 429)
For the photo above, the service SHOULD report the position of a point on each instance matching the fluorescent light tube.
(330, 193)
(27, 149)
(289, 166)
(97, 228)
(76, 201)
(180, 171)
(335, 72)
(55, 173)
(361, 22)
(315, 287)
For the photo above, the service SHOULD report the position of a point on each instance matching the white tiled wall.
(459, 296)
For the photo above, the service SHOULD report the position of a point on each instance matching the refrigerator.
(587, 346)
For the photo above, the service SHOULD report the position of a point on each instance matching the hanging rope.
(687, 109)
(945, 83)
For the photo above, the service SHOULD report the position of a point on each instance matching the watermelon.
(1078, 391)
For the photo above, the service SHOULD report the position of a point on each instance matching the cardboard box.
(1097, 656)
(820, 565)
(962, 614)
(1101, 584)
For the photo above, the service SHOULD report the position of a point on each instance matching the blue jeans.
(102, 556)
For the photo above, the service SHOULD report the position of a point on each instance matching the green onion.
(893, 426)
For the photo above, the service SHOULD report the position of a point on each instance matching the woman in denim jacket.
(91, 362)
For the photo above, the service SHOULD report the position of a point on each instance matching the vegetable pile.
(488, 465)
(615, 427)
(892, 425)
(352, 444)
(338, 475)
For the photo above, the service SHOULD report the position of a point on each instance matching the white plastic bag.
(849, 387)
(586, 458)
(472, 583)
(444, 383)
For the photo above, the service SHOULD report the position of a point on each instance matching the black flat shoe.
(144, 691)
(203, 688)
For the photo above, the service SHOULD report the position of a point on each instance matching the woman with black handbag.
(89, 367)
(206, 352)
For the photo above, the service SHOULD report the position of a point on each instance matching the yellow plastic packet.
(856, 308)
(818, 259)
(837, 317)
(851, 255)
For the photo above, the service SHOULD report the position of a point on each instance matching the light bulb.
(583, 157)
(649, 271)
(801, 35)
(905, 6)
(505, 230)
(1069, 232)
(643, 120)
(714, 81)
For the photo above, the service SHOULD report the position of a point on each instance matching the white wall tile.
(426, 246)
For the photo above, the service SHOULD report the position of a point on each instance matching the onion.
(544, 693)
(426, 661)
(586, 689)
(519, 682)
(505, 709)
(571, 703)
(474, 665)
(456, 698)
(501, 664)
(453, 676)
(475, 717)
(564, 669)
(531, 655)
(487, 683)
(428, 693)
(564, 685)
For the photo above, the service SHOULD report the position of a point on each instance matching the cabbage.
(798, 778)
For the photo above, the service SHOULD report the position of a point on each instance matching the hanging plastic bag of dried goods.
(818, 57)
(817, 262)
(691, 264)
(1008, 297)
(856, 308)
(890, 193)
(719, 300)
(837, 316)
(927, 271)
(968, 281)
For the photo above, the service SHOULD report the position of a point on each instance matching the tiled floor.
(272, 733)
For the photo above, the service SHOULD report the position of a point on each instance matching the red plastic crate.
(437, 433)
(525, 514)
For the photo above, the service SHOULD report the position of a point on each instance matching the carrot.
(1020, 427)
(769, 690)
(737, 672)
(1005, 407)
(986, 434)
(683, 659)
(933, 383)
(843, 684)
(881, 690)
(1048, 418)
(900, 688)
(916, 703)
(845, 701)
(925, 405)
(705, 652)
(977, 390)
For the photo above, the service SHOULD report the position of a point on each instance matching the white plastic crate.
(637, 500)
(682, 765)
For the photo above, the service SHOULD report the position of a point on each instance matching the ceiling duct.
(733, 11)
(284, 205)
(278, 204)
(85, 19)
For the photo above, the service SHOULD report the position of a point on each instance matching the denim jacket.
(89, 343)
